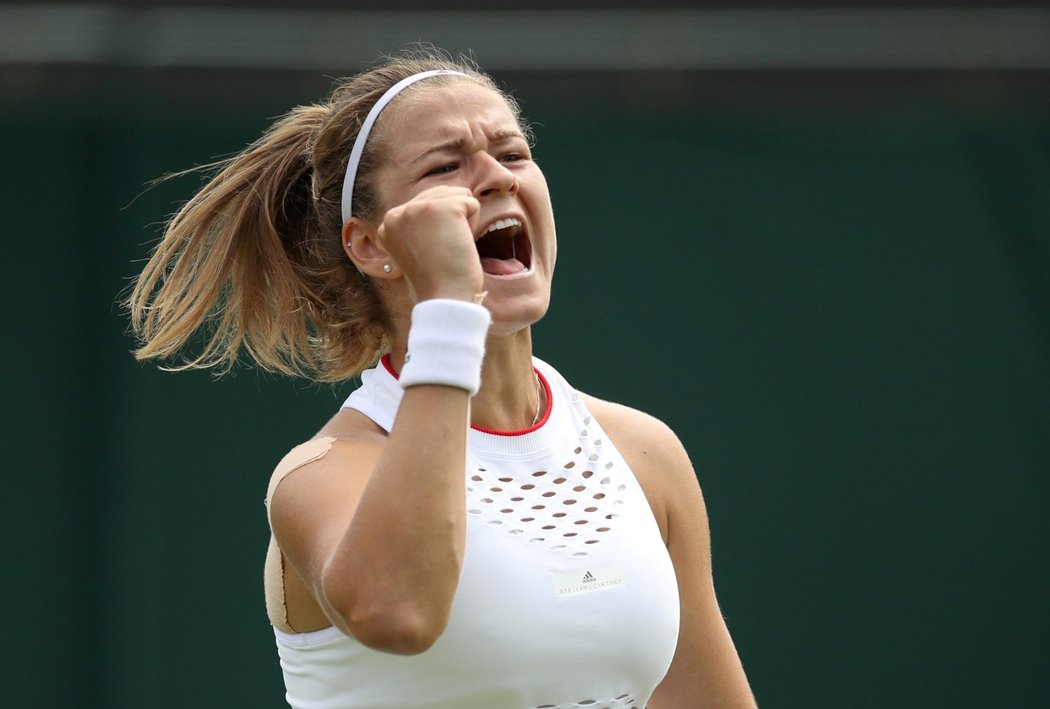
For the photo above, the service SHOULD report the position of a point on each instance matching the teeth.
(502, 224)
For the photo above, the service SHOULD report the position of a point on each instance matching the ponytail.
(254, 261)
(247, 263)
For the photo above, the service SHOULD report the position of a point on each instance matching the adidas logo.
(597, 578)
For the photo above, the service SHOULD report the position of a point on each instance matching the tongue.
(501, 267)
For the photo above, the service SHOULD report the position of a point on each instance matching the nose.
(493, 177)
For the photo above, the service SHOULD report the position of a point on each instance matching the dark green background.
(833, 286)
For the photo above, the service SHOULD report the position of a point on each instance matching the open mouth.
(504, 248)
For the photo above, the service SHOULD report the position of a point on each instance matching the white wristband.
(446, 344)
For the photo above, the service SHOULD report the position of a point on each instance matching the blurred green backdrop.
(833, 286)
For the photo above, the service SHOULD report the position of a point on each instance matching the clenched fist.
(431, 238)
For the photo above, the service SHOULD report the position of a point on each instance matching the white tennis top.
(567, 596)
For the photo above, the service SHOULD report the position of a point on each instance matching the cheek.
(535, 186)
(546, 212)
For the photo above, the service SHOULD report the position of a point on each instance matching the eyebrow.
(456, 145)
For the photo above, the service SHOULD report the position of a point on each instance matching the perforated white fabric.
(624, 700)
(567, 596)
(566, 507)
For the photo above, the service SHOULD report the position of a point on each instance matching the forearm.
(392, 577)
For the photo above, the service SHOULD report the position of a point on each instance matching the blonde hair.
(254, 260)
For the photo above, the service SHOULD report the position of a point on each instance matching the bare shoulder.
(345, 432)
(350, 424)
(313, 491)
(655, 454)
(639, 434)
(316, 486)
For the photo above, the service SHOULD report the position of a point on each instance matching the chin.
(516, 314)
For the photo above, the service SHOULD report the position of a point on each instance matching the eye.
(441, 169)
(513, 157)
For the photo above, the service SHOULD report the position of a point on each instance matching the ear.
(363, 248)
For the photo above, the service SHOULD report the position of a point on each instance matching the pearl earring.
(387, 268)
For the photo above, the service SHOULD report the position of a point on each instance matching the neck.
(510, 395)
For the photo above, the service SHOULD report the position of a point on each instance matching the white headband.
(366, 128)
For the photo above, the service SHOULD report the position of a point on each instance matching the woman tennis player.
(468, 530)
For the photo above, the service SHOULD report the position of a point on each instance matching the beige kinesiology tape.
(273, 575)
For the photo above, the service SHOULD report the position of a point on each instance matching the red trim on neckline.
(385, 360)
(389, 367)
